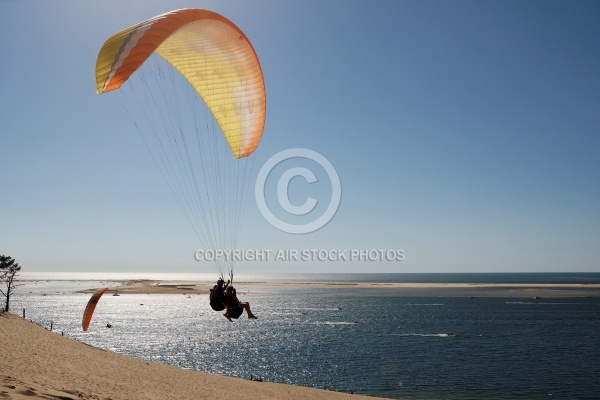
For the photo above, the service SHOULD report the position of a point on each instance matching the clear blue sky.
(466, 133)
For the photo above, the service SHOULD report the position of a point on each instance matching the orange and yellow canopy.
(213, 55)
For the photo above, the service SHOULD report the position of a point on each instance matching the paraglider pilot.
(217, 295)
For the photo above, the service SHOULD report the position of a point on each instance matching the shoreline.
(539, 290)
(39, 363)
(43, 364)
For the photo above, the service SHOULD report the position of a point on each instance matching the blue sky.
(465, 133)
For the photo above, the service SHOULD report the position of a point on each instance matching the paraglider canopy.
(91, 306)
(214, 56)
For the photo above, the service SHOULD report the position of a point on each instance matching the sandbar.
(540, 290)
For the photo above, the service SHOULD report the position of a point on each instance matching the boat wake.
(426, 334)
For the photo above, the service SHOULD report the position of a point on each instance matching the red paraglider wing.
(91, 306)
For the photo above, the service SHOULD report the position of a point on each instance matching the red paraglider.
(91, 306)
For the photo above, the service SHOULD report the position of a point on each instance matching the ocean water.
(373, 341)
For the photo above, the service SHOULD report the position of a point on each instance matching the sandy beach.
(37, 363)
(401, 289)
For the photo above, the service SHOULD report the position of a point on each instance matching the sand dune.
(37, 363)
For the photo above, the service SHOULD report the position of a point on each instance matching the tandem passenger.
(234, 307)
